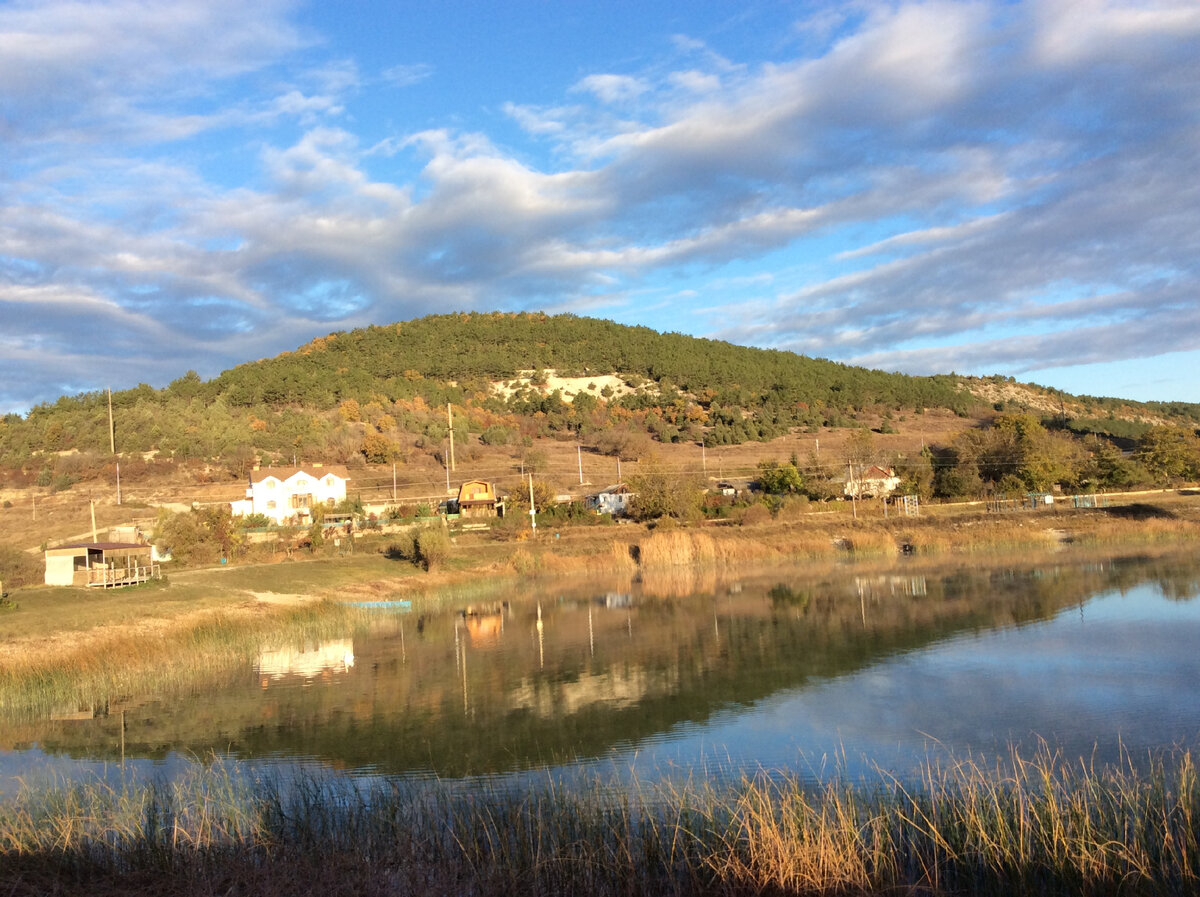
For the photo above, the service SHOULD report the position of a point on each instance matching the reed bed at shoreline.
(1039, 825)
(162, 660)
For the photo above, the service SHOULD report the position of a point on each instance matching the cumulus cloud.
(986, 186)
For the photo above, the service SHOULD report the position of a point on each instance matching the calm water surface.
(680, 675)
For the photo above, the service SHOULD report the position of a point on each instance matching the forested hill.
(472, 350)
(379, 394)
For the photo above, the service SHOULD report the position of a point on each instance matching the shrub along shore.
(1038, 825)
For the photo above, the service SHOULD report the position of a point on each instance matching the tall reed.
(1030, 825)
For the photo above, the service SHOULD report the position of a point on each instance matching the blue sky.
(928, 187)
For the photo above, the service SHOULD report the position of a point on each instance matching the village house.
(874, 482)
(613, 500)
(477, 498)
(284, 493)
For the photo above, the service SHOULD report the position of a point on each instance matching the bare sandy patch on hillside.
(570, 386)
(1024, 395)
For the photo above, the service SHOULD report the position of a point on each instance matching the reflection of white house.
(613, 500)
(873, 482)
(335, 656)
(282, 493)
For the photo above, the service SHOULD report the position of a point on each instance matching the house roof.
(615, 489)
(99, 546)
(482, 493)
(285, 473)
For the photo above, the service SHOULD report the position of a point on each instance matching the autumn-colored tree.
(665, 493)
(1170, 453)
(379, 449)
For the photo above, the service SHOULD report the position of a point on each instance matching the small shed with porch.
(103, 564)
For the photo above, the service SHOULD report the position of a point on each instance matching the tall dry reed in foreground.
(1039, 826)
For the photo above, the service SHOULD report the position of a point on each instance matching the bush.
(793, 507)
(497, 435)
(431, 547)
(755, 514)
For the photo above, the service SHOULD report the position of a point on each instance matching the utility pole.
(447, 469)
(579, 454)
(450, 424)
(532, 516)
(112, 443)
(393, 481)
(112, 438)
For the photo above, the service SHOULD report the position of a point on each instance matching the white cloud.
(937, 184)
(407, 74)
(612, 88)
(695, 81)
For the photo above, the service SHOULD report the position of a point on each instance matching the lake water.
(681, 674)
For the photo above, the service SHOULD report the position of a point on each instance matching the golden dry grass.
(1040, 825)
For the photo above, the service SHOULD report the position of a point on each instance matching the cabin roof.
(101, 546)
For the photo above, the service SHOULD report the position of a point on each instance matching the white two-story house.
(283, 493)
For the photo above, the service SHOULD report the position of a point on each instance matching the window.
(328, 481)
(271, 505)
(302, 501)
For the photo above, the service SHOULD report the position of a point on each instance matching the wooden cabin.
(102, 564)
(477, 498)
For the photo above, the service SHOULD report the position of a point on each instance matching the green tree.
(779, 479)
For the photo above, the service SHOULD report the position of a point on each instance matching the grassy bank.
(1037, 825)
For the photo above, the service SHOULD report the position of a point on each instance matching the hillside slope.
(379, 395)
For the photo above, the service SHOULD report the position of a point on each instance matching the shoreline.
(813, 536)
(162, 653)
(59, 628)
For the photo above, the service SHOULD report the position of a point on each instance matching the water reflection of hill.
(597, 669)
